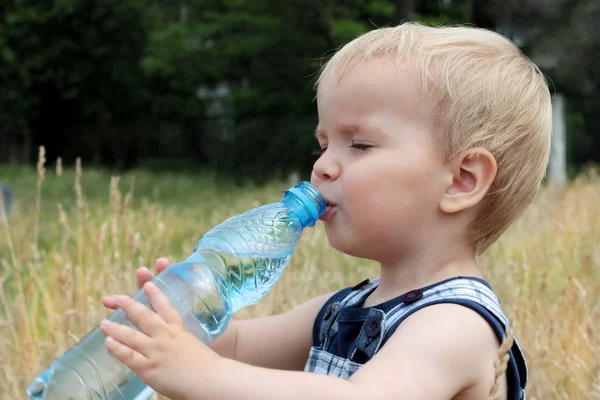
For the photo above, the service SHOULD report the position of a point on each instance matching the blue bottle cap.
(311, 199)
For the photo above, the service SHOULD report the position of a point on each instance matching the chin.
(345, 246)
(337, 243)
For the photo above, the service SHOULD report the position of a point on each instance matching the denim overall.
(345, 336)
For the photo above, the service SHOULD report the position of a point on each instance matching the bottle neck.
(305, 202)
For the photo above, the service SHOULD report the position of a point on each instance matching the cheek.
(394, 192)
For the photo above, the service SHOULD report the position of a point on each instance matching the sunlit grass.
(78, 235)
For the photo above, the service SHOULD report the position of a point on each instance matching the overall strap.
(326, 322)
(471, 293)
(370, 337)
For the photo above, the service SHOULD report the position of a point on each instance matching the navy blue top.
(352, 317)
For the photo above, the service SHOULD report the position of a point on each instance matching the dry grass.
(77, 236)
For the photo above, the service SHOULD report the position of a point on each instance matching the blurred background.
(130, 127)
(226, 84)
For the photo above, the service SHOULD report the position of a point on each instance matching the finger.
(149, 322)
(143, 275)
(110, 301)
(161, 303)
(133, 359)
(127, 336)
(161, 264)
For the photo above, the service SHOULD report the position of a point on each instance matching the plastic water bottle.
(233, 265)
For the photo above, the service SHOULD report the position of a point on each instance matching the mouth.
(329, 211)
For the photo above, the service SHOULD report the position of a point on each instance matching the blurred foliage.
(228, 83)
(66, 63)
(561, 36)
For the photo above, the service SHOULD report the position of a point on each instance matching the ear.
(471, 175)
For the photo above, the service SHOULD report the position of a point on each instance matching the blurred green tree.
(265, 53)
(228, 83)
(66, 63)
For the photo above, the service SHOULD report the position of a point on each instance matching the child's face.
(381, 168)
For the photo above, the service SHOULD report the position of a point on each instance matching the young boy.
(433, 141)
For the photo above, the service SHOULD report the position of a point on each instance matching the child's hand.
(143, 275)
(163, 354)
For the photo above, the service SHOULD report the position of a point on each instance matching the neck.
(423, 268)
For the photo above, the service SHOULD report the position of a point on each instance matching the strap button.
(412, 296)
(373, 326)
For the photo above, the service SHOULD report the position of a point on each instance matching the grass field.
(77, 236)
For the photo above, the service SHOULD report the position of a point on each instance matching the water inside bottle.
(247, 270)
(89, 371)
(259, 276)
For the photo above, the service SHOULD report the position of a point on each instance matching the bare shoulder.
(443, 351)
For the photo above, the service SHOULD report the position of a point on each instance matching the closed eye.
(361, 146)
(319, 152)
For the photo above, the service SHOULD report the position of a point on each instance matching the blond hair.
(483, 92)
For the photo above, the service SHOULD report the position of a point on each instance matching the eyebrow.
(350, 128)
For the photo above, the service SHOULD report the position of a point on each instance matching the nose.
(327, 168)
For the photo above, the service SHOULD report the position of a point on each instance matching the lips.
(329, 211)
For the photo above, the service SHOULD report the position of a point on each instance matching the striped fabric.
(464, 291)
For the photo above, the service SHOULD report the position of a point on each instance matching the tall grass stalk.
(59, 256)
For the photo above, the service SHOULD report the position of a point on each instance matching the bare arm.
(439, 353)
(280, 341)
